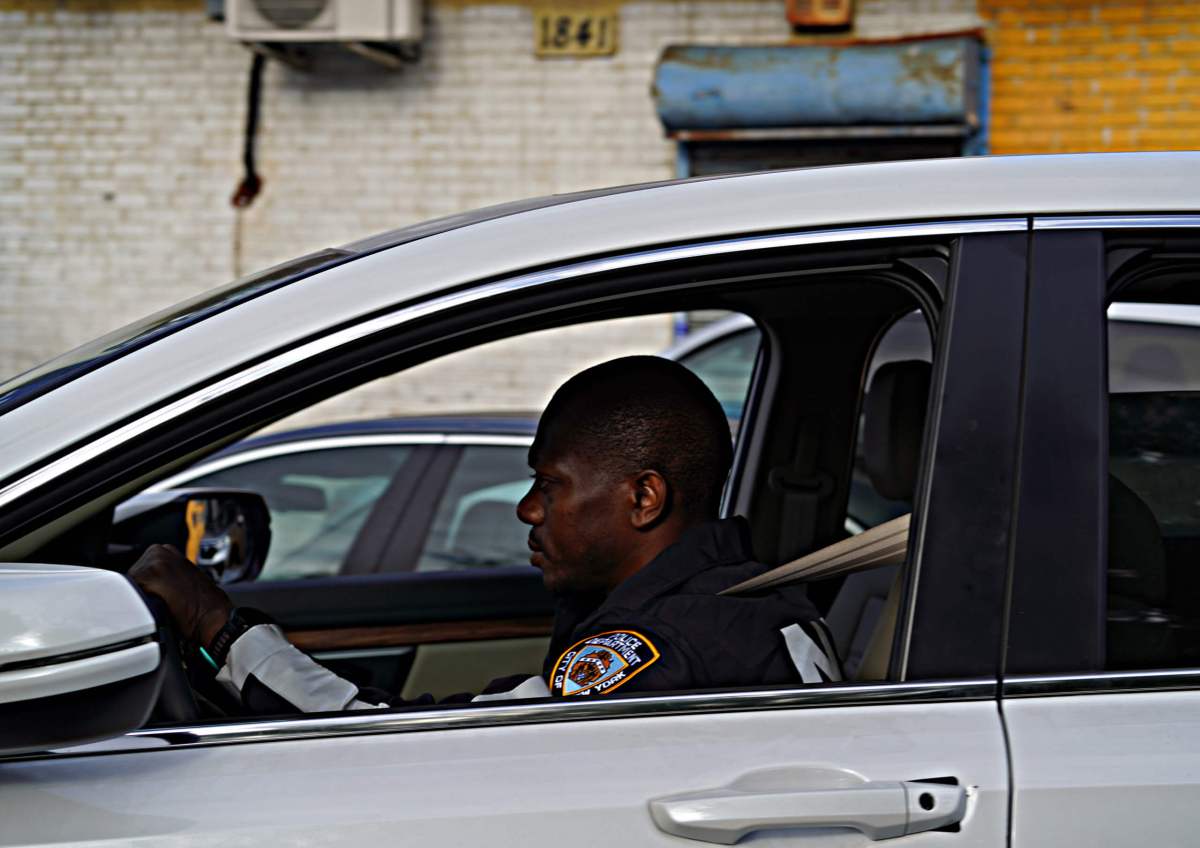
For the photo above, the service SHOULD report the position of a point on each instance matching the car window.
(1146, 356)
(725, 366)
(476, 524)
(319, 501)
(1153, 585)
(907, 340)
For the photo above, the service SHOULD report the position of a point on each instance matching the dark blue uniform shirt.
(667, 627)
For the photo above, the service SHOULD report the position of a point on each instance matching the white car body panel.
(923, 190)
(30, 684)
(570, 783)
(1105, 769)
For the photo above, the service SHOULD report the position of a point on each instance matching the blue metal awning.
(929, 86)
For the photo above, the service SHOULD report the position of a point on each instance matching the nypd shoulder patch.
(602, 663)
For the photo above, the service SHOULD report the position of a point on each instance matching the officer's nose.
(529, 508)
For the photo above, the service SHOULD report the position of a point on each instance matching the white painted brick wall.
(120, 140)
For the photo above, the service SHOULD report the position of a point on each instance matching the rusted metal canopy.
(932, 82)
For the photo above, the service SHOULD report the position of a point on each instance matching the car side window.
(726, 366)
(1153, 585)
(876, 492)
(475, 524)
(319, 501)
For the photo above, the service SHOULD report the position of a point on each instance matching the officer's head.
(628, 455)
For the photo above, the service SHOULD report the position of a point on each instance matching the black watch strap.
(240, 620)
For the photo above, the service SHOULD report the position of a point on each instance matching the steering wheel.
(176, 700)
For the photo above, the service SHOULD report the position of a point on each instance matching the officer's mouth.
(537, 557)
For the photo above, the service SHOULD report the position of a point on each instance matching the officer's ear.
(651, 499)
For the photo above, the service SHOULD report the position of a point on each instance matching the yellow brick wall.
(1070, 75)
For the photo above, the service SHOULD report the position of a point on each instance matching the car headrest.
(895, 422)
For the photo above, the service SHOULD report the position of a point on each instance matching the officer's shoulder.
(700, 598)
(710, 582)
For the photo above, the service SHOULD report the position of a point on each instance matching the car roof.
(593, 225)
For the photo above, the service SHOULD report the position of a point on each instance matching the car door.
(1102, 679)
(920, 751)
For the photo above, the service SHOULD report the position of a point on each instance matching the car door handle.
(877, 809)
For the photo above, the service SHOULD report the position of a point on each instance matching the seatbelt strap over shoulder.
(886, 544)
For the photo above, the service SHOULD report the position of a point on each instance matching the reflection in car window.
(1153, 585)
(319, 501)
(1152, 357)
(476, 520)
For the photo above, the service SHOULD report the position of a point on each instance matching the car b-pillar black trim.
(1056, 602)
(961, 536)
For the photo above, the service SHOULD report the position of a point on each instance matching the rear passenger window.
(1153, 578)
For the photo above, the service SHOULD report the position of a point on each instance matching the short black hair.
(641, 413)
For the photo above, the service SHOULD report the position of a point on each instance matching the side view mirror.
(226, 532)
(78, 657)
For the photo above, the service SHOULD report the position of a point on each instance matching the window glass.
(1153, 583)
(1146, 356)
(725, 366)
(476, 520)
(882, 482)
(319, 501)
(726, 363)
(872, 500)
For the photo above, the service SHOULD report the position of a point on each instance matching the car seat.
(863, 615)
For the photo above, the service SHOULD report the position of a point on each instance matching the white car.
(1029, 678)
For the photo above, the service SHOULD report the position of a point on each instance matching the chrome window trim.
(1173, 314)
(489, 441)
(1113, 222)
(469, 716)
(285, 448)
(364, 653)
(200, 397)
(1099, 683)
(335, 443)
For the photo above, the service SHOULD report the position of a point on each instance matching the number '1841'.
(575, 34)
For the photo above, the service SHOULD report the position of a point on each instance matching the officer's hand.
(199, 608)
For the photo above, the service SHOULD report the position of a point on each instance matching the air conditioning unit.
(323, 20)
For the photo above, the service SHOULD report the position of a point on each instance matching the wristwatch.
(240, 620)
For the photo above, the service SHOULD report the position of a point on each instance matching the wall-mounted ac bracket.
(297, 58)
(394, 56)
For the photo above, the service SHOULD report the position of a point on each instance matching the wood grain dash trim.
(418, 634)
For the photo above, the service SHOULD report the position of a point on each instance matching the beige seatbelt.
(878, 656)
(886, 544)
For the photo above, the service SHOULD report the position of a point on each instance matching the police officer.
(629, 462)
